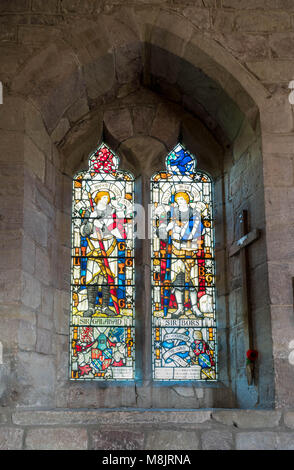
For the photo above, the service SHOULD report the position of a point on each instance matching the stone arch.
(82, 83)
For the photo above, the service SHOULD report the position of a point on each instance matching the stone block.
(47, 19)
(244, 139)
(166, 126)
(263, 21)
(11, 147)
(282, 45)
(278, 168)
(141, 154)
(117, 440)
(256, 440)
(31, 291)
(44, 341)
(223, 20)
(284, 383)
(283, 330)
(81, 6)
(35, 225)
(45, 323)
(277, 116)
(111, 418)
(245, 46)
(8, 33)
(50, 6)
(11, 438)
(60, 130)
(285, 441)
(35, 129)
(47, 297)
(142, 119)
(26, 333)
(118, 123)
(78, 109)
(289, 419)
(128, 62)
(38, 34)
(61, 311)
(35, 375)
(272, 71)
(50, 176)
(14, 5)
(56, 439)
(258, 4)
(99, 76)
(199, 17)
(34, 158)
(172, 440)
(251, 419)
(217, 440)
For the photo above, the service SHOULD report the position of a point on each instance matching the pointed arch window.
(182, 269)
(102, 273)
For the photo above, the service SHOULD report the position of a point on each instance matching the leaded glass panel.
(183, 272)
(102, 274)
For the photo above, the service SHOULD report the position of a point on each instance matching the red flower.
(252, 355)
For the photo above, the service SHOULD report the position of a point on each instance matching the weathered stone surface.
(35, 225)
(248, 418)
(256, 441)
(282, 45)
(272, 71)
(166, 125)
(38, 34)
(60, 130)
(138, 417)
(11, 438)
(14, 5)
(128, 62)
(31, 291)
(217, 440)
(263, 21)
(245, 46)
(142, 119)
(61, 311)
(44, 341)
(258, 4)
(117, 440)
(277, 116)
(289, 419)
(50, 6)
(118, 123)
(34, 159)
(78, 109)
(81, 6)
(27, 330)
(36, 379)
(56, 439)
(285, 441)
(140, 153)
(165, 440)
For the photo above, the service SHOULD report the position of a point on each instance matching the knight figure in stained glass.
(102, 314)
(183, 295)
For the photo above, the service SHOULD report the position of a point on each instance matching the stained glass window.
(183, 279)
(102, 273)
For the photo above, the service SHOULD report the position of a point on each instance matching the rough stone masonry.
(141, 75)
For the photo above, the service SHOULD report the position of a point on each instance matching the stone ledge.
(250, 419)
(102, 416)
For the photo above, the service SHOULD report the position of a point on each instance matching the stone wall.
(214, 73)
(149, 430)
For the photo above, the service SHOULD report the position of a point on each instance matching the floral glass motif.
(102, 274)
(183, 279)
